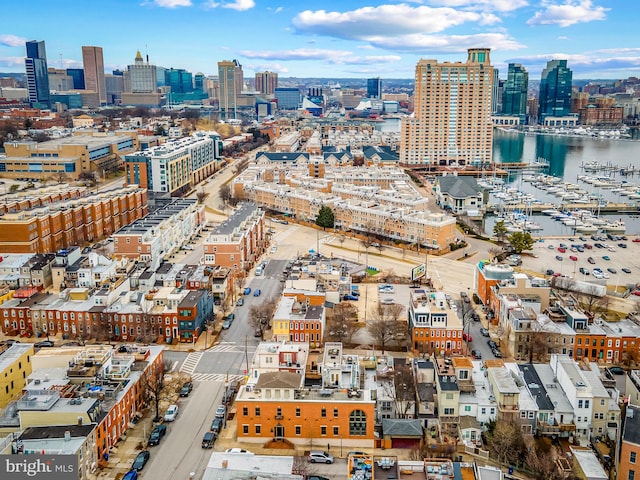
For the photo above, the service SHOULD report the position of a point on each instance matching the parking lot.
(577, 257)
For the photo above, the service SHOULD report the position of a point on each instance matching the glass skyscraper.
(37, 74)
(555, 90)
(374, 88)
(179, 80)
(514, 92)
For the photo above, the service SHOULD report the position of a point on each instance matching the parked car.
(549, 271)
(208, 439)
(496, 353)
(617, 370)
(622, 245)
(476, 354)
(612, 270)
(171, 413)
(220, 411)
(156, 434)
(484, 332)
(636, 240)
(591, 260)
(350, 297)
(387, 301)
(237, 450)
(562, 249)
(492, 344)
(467, 337)
(584, 271)
(257, 292)
(606, 257)
(186, 389)
(626, 270)
(573, 258)
(559, 258)
(216, 425)
(131, 475)
(141, 460)
(240, 302)
(44, 343)
(317, 456)
(246, 291)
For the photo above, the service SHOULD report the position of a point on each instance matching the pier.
(538, 208)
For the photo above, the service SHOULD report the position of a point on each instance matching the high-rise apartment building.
(496, 92)
(555, 90)
(37, 74)
(452, 120)
(514, 93)
(93, 63)
(230, 79)
(374, 88)
(266, 82)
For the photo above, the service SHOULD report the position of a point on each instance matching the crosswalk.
(231, 347)
(191, 362)
(214, 377)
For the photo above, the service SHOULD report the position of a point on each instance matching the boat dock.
(538, 208)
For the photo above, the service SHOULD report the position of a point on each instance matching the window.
(298, 429)
(257, 411)
(357, 423)
(245, 429)
(297, 411)
(449, 411)
(467, 408)
(323, 430)
(586, 404)
(324, 412)
(335, 413)
(579, 403)
(245, 411)
(632, 475)
(336, 431)
(258, 429)
(279, 412)
(632, 457)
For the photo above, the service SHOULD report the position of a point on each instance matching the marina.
(589, 187)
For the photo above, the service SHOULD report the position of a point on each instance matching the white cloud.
(386, 20)
(172, 3)
(7, 40)
(264, 67)
(239, 5)
(11, 62)
(606, 63)
(335, 57)
(496, 5)
(568, 13)
(444, 43)
(563, 37)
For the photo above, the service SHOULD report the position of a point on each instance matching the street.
(179, 453)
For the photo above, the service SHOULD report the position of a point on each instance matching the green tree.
(520, 241)
(325, 218)
(500, 230)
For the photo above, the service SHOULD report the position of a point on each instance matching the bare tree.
(301, 466)
(405, 392)
(154, 385)
(226, 195)
(342, 322)
(544, 465)
(505, 441)
(260, 316)
(201, 195)
(592, 303)
(381, 327)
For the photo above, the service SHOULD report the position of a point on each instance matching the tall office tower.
(452, 114)
(288, 98)
(37, 74)
(93, 63)
(496, 93)
(140, 77)
(198, 82)
(266, 82)
(77, 74)
(514, 93)
(115, 87)
(179, 80)
(374, 88)
(555, 90)
(230, 79)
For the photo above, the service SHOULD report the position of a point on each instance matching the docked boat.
(617, 227)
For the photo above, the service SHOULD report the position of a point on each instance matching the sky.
(328, 38)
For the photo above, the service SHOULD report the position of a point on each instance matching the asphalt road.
(179, 453)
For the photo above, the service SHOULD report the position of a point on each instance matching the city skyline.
(363, 39)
